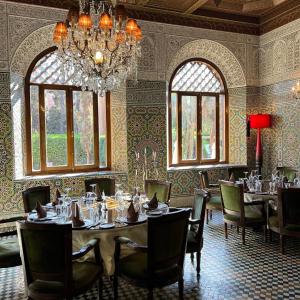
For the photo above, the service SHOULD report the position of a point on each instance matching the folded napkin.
(57, 196)
(41, 212)
(132, 215)
(75, 217)
(153, 204)
(232, 178)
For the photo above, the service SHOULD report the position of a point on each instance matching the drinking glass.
(287, 185)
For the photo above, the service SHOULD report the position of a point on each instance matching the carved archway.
(215, 52)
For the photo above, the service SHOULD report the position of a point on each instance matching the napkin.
(232, 178)
(153, 204)
(41, 212)
(132, 215)
(57, 195)
(75, 217)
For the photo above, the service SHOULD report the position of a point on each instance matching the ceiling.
(244, 16)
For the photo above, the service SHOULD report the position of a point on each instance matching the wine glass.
(68, 189)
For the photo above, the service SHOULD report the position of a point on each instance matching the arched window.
(67, 129)
(197, 111)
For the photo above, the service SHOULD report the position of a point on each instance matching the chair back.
(102, 184)
(237, 172)
(232, 196)
(167, 237)
(204, 181)
(289, 208)
(198, 211)
(288, 172)
(46, 251)
(161, 188)
(34, 194)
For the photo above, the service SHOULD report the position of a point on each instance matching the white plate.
(86, 224)
(161, 206)
(34, 216)
(141, 219)
(154, 212)
(107, 225)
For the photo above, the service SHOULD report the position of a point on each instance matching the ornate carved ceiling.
(244, 16)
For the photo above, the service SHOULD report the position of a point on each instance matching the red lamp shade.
(260, 121)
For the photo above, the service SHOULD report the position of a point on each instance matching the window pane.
(56, 128)
(189, 127)
(222, 127)
(83, 123)
(208, 127)
(174, 128)
(102, 131)
(35, 127)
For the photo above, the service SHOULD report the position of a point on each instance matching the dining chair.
(287, 220)
(236, 172)
(237, 212)
(34, 194)
(51, 270)
(161, 188)
(288, 172)
(195, 233)
(9, 245)
(214, 196)
(102, 184)
(160, 263)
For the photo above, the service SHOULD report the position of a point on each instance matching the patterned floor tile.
(229, 271)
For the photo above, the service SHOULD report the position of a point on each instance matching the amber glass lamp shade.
(105, 22)
(85, 21)
(138, 33)
(60, 32)
(131, 26)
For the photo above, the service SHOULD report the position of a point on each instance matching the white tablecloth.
(137, 233)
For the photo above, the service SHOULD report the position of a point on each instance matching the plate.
(107, 225)
(34, 217)
(154, 212)
(160, 206)
(140, 220)
(87, 223)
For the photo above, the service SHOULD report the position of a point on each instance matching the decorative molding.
(213, 51)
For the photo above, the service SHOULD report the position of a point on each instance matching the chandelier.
(98, 45)
(296, 91)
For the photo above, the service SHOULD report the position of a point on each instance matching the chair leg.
(198, 262)
(207, 216)
(226, 230)
(265, 233)
(211, 214)
(282, 243)
(237, 229)
(115, 284)
(150, 293)
(243, 234)
(270, 235)
(100, 288)
(192, 256)
(180, 287)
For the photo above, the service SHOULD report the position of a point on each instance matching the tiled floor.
(229, 270)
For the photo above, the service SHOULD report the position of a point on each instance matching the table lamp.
(259, 121)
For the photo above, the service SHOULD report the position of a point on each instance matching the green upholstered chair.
(9, 246)
(236, 211)
(214, 196)
(237, 172)
(161, 188)
(51, 270)
(34, 194)
(288, 172)
(287, 220)
(102, 184)
(195, 233)
(161, 262)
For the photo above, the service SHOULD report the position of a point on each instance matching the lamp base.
(259, 153)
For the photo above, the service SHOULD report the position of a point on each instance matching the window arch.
(67, 129)
(197, 112)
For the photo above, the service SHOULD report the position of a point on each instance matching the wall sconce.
(259, 122)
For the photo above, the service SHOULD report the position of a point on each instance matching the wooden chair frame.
(159, 182)
(26, 194)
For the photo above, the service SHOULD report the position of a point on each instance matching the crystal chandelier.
(98, 45)
(296, 91)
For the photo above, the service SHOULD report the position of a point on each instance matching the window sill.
(204, 167)
(68, 175)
